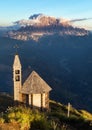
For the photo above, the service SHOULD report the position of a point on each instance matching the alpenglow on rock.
(40, 25)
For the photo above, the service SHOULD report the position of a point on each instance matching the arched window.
(17, 71)
(17, 78)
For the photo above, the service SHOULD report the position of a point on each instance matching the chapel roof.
(35, 84)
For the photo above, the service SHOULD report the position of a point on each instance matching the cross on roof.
(16, 48)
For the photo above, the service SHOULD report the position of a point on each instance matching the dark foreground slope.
(64, 62)
(22, 117)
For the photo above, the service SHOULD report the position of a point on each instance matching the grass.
(55, 119)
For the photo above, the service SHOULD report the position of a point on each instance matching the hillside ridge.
(57, 117)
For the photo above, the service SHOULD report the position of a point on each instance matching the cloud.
(78, 20)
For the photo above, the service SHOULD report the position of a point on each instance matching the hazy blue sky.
(13, 10)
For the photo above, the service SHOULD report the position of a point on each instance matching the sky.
(78, 11)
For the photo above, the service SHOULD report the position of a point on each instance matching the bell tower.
(17, 78)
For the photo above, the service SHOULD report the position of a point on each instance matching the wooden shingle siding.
(35, 84)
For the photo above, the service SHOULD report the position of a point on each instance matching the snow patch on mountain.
(41, 20)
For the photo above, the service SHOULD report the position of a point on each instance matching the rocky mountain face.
(40, 25)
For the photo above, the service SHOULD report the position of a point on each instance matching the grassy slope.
(5, 101)
(78, 120)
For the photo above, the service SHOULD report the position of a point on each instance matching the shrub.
(2, 120)
(39, 125)
(39, 122)
(21, 115)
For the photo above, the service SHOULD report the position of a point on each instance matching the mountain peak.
(39, 25)
(43, 20)
(36, 16)
(39, 20)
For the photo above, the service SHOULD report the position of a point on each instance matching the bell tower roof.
(16, 61)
